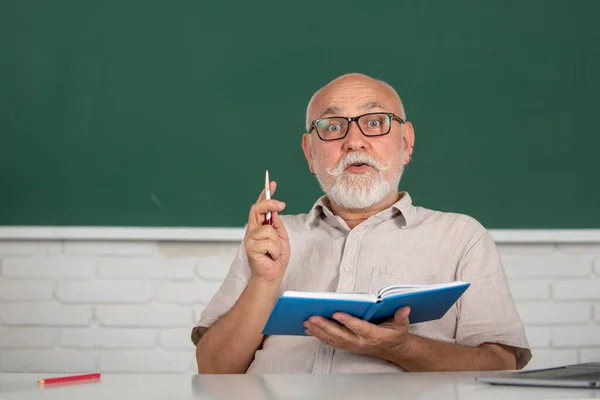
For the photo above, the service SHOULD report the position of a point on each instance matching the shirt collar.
(404, 205)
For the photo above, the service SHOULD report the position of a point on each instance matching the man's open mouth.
(357, 165)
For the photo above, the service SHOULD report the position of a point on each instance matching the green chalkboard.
(112, 112)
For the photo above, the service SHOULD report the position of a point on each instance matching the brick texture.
(87, 306)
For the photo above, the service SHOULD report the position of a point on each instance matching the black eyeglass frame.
(390, 115)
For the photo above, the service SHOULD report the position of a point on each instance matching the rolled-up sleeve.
(487, 313)
(232, 287)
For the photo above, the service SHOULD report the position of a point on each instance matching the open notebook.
(427, 302)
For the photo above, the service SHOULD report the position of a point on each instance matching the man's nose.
(355, 140)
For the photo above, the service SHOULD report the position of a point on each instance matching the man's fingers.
(356, 325)
(272, 187)
(328, 328)
(263, 232)
(273, 249)
(259, 211)
(279, 226)
(401, 315)
(265, 246)
(264, 240)
(268, 205)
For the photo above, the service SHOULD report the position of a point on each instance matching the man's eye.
(374, 123)
(333, 128)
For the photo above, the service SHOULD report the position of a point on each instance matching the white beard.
(357, 191)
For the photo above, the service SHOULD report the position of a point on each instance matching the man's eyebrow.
(371, 104)
(333, 110)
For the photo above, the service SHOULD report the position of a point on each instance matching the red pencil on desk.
(64, 379)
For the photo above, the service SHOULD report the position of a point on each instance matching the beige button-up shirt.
(403, 244)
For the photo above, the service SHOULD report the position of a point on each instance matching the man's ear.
(306, 148)
(409, 141)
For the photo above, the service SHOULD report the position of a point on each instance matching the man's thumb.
(401, 314)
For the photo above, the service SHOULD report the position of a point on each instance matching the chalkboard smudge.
(155, 200)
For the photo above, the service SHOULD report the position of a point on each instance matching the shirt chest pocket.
(379, 280)
(409, 264)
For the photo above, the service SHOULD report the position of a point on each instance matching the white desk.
(438, 386)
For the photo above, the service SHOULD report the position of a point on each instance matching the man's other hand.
(358, 336)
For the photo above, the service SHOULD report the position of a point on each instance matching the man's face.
(358, 171)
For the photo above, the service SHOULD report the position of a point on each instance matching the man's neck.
(355, 217)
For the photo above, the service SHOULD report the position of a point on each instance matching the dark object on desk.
(585, 375)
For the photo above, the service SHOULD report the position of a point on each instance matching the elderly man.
(361, 235)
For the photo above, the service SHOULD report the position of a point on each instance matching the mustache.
(354, 158)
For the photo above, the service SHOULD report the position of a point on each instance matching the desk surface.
(447, 386)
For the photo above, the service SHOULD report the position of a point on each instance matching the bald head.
(374, 92)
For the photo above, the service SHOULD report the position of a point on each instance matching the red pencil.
(68, 379)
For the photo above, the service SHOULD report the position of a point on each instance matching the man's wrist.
(404, 352)
(266, 286)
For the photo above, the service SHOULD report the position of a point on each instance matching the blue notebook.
(427, 303)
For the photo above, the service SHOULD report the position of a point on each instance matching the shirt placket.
(346, 283)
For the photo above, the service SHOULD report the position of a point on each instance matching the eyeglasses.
(372, 124)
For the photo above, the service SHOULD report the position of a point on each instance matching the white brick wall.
(557, 292)
(44, 313)
(86, 306)
(577, 289)
(150, 315)
(107, 338)
(104, 292)
(146, 361)
(59, 267)
(14, 337)
(554, 313)
(49, 360)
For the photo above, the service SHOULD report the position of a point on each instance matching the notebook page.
(399, 289)
(356, 296)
